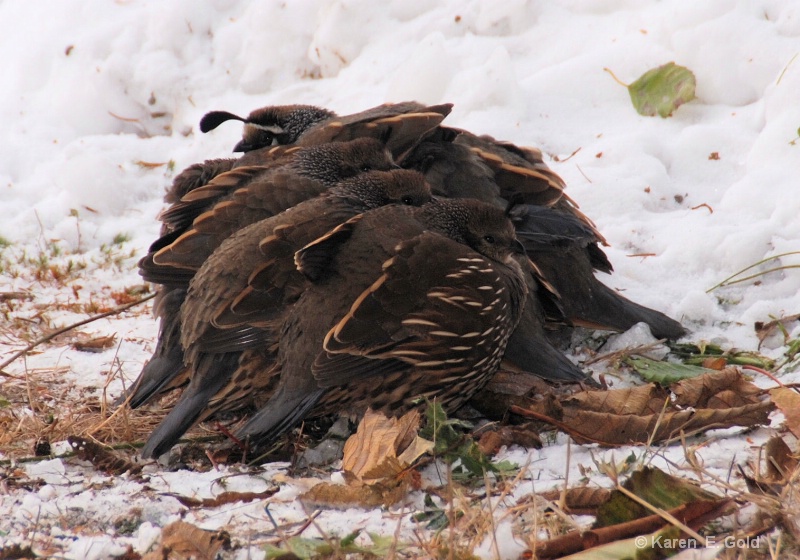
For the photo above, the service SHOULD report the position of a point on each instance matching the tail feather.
(606, 307)
(282, 412)
(529, 350)
(167, 361)
(156, 376)
(216, 373)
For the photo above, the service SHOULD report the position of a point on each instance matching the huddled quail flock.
(374, 260)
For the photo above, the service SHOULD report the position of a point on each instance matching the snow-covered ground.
(100, 104)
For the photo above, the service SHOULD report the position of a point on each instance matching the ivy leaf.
(662, 90)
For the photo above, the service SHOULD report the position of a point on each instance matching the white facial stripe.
(273, 128)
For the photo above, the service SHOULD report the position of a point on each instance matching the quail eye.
(366, 168)
(489, 239)
(407, 200)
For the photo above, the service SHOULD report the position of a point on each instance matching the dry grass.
(46, 406)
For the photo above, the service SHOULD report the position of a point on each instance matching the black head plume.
(212, 120)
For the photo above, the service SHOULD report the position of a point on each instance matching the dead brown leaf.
(605, 428)
(223, 498)
(579, 501)
(763, 330)
(642, 400)
(694, 515)
(642, 414)
(523, 435)
(779, 470)
(696, 392)
(717, 363)
(96, 344)
(184, 541)
(788, 402)
(353, 494)
(781, 462)
(376, 464)
(383, 447)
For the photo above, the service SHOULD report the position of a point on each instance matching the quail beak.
(518, 247)
(242, 146)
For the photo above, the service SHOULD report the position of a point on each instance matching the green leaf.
(441, 430)
(315, 547)
(303, 548)
(382, 545)
(664, 373)
(656, 488)
(350, 539)
(435, 516)
(662, 90)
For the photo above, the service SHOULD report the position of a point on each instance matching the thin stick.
(52, 335)
(765, 373)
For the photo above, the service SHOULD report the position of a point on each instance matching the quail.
(236, 198)
(247, 194)
(460, 164)
(222, 291)
(483, 168)
(402, 304)
(399, 125)
(567, 252)
(270, 126)
(558, 237)
(273, 126)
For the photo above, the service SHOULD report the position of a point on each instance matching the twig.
(785, 68)
(762, 261)
(585, 176)
(52, 335)
(764, 373)
(618, 354)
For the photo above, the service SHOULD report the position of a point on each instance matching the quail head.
(269, 126)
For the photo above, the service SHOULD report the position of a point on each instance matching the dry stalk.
(52, 335)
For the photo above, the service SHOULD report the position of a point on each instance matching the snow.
(97, 91)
